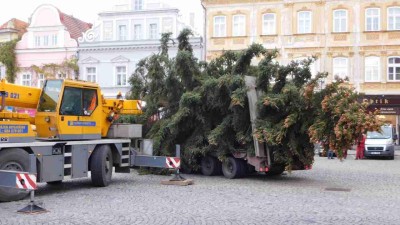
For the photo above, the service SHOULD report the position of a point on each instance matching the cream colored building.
(359, 39)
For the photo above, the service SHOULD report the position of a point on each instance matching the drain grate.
(337, 189)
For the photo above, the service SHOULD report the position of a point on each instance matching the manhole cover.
(337, 189)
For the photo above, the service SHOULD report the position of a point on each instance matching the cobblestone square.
(362, 192)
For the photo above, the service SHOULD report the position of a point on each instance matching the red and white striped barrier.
(173, 162)
(139, 104)
(26, 181)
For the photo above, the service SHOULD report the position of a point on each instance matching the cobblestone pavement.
(372, 197)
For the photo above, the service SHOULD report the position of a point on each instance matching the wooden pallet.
(178, 182)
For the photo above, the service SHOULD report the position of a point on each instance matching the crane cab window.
(89, 101)
(50, 95)
(78, 101)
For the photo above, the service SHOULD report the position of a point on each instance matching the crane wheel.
(14, 159)
(101, 166)
(210, 166)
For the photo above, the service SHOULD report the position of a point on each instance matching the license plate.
(375, 153)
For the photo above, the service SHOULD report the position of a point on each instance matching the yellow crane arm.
(18, 95)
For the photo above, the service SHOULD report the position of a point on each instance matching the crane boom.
(19, 96)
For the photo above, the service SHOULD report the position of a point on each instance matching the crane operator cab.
(66, 110)
(70, 110)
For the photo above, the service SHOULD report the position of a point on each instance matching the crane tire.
(101, 166)
(15, 159)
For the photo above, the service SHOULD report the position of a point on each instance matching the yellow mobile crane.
(71, 135)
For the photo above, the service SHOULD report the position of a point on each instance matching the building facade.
(50, 42)
(11, 30)
(109, 52)
(355, 39)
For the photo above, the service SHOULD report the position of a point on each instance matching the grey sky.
(85, 10)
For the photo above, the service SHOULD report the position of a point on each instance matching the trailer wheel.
(232, 168)
(210, 166)
(15, 159)
(101, 166)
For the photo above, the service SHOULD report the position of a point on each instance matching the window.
(122, 32)
(340, 20)
(340, 67)
(153, 32)
(304, 22)
(269, 24)
(121, 76)
(91, 74)
(313, 67)
(61, 76)
(54, 39)
(46, 40)
(78, 101)
(26, 79)
(37, 41)
(372, 68)
(108, 30)
(2, 72)
(41, 79)
(167, 24)
(372, 19)
(89, 101)
(50, 95)
(219, 26)
(138, 4)
(394, 18)
(394, 69)
(71, 102)
(137, 31)
(239, 25)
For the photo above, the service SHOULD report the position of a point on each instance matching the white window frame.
(138, 4)
(340, 68)
(37, 41)
(395, 66)
(269, 23)
(46, 40)
(339, 19)
(396, 18)
(108, 33)
(54, 38)
(122, 33)
(118, 74)
(167, 25)
(239, 27)
(153, 33)
(370, 67)
(220, 27)
(308, 21)
(91, 74)
(137, 35)
(26, 79)
(40, 80)
(372, 17)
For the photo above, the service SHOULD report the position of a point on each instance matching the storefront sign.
(382, 100)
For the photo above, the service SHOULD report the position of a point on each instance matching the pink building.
(51, 40)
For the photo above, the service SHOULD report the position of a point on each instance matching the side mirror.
(395, 137)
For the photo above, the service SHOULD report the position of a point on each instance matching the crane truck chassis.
(76, 136)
